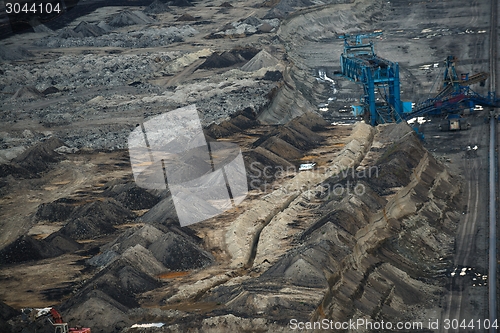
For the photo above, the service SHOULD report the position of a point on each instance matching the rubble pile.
(27, 248)
(56, 211)
(149, 37)
(82, 30)
(186, 17)
(247, 27)
(96, 219)
(227, 59)
(34, 160)
(27, 93)
(115, 70)
(260, 60)
(131, 196)
(129, 18)
(14, 53)
(180, 3)
(6, 313)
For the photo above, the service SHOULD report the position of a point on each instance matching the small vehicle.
(306, 166)
(454, 122)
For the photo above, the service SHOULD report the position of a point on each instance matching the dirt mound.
(226, 5)
(248, 112)
(278, 13)
(95, 309)
(294, 133)
(68, 33)
(398, 160)
(282, 148)
(143, 260)
(285, 7)
(177, 253)
(82, 30)
(14, 53)
(131, 196)
(13, 170)
(225, 59)
(260, 60)
(108, 281)
(394, 133)
(126, 18)
(161, 214)
(104, 26)
(266, 157)
(144, 236)
(50, 90)
(62, 243)
(27, 93)
(26, 248)
(297, 135)
(39, 157)
(157, 7)
(297, 139)
(89, 30)
(56, 211)
(123, 278)
(311, 120)
(263, 166)
(273, 76)
(295, 3)
(224, 129)
(96, 219)
(252, 20)
(181, 3)
(307, 267)
(190, 166)
(228, 58)
(102, 259)
(41, 28)
(6, 313)
(307, 130)
(286, 103)
(243, 122)
(246, 52)
(186, 18)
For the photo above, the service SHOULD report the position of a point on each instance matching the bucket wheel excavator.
(381, 100)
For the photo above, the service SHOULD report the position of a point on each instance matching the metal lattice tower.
(360, 64)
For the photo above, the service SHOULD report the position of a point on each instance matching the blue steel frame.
(454, 96)
(360, 64)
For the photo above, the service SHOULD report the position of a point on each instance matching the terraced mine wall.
(368, 234)
(378, 253)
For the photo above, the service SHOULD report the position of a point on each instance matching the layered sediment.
(318, 253)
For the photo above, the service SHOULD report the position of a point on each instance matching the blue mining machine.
(360, 64)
